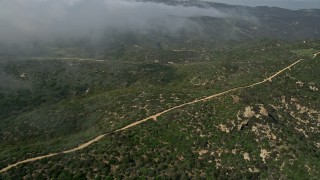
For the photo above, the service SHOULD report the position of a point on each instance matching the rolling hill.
(232, 97)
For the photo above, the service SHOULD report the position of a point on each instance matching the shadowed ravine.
(153, 117)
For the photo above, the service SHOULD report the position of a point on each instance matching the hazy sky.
(291, 4)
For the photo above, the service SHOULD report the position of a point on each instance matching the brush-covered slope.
(269, 130)
(57, 95)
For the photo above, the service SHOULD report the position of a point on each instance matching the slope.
(248, 114)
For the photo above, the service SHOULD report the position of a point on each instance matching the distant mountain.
(232, 94)
(236, 23)
(256, 22)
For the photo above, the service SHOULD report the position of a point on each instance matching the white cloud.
(24, 19)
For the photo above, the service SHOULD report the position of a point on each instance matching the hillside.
(236, 97)
(69, 115)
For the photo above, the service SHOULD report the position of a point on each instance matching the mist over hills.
(158, 89)
(29, 27)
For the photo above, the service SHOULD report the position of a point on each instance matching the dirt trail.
(315, 55)
(83, 59)
(153, 117)
(70, 59)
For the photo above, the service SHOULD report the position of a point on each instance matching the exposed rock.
(299, 83)
(263, 111)
(246, 156)
(248, 113)
(261, 130)
(224, 128)
(313, 88)
(203, 151)
(264, 154)
(274, 107)
(23, 75)
(254, 170)
(302, 131)
(242, 124)
(234, 151)
(218, 163)
(238, 115)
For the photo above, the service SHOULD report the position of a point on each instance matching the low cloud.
(24, 20)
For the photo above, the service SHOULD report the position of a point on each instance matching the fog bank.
(25, 20)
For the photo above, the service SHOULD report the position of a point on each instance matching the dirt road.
(315, 55)
(153, 117)
(70, 59)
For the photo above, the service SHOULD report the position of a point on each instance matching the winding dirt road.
(153, 117)
(81, 59)
(70, 59)
(315, 55)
